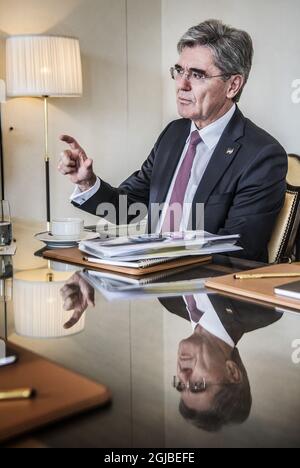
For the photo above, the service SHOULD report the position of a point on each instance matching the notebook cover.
(60, 393)
(289, 289)
(260, 289)
(75, 257)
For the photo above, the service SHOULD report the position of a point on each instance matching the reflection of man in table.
(211, 376)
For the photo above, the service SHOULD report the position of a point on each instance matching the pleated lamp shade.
(39, 66)
(38, 305)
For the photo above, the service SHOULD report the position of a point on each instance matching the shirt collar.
(210, 320)
(211, 134)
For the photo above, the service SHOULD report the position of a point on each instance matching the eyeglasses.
(194, 75)
(193, 387)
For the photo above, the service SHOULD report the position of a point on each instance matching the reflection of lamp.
(38, 305)
(43, 66)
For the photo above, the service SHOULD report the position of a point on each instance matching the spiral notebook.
(142, 267)
(138, 264)
(114, 280)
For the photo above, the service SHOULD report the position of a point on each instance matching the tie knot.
(195, 138)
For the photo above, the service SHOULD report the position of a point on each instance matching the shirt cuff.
(81, 197)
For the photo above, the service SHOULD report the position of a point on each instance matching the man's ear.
(236, 83)
(234, 373)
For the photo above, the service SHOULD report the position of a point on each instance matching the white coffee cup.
(67, 228)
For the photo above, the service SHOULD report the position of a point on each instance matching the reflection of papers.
(113, 292)
(287, 311)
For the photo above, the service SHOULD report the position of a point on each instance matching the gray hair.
(232, 48)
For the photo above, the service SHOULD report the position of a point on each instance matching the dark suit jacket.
(242, 192)
(237, 316)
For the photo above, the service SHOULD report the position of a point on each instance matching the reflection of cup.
(67, 228)
(5, 223)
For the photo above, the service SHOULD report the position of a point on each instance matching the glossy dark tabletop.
(137, 345)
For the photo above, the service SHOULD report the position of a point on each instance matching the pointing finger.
(74, 146)
(70, 140)
(74, 319)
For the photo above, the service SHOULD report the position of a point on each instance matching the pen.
(266, 275)
(17, 394)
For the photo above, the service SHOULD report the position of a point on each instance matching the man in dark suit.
(213, 157)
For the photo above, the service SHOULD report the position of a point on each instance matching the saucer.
(60, 242)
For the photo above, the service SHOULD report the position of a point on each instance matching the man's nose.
(185, 374)
(184, 83)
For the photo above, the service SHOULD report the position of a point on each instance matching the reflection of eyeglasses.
(192, 74)
(193, 387)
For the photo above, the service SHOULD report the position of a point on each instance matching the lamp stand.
(47, 162)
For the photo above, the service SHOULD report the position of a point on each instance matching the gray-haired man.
(212, 156)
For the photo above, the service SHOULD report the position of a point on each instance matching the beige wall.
(121, 45)
(274, 27)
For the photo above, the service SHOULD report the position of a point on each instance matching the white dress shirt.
(210, 320)
(210, 137)
(81, 197)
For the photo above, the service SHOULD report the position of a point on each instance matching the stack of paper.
(156, 254)
(144, 263)
(114, 290)
(149, 247)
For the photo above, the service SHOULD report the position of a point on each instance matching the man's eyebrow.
(197, 70)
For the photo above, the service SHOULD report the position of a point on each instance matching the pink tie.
(172, 219)
(192, 308)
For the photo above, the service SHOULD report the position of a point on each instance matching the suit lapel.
(168, 164)
(222, 158)
(175, 305)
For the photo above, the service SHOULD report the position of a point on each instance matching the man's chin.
(185, 111)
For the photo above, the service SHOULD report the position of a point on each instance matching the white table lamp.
(43, 66)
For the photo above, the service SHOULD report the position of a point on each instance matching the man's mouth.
(186, 364)
(185, 356)
(184, 100)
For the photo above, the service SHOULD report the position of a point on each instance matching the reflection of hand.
(77, 295)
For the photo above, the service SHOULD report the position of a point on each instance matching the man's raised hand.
(75, 164)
